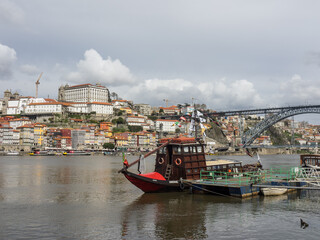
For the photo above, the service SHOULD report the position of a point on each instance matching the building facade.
(84, 93)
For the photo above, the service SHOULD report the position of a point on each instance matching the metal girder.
(259, 111)
(254, 132)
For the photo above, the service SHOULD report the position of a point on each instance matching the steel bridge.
(274, 115)
(277, 115)
(264, 111)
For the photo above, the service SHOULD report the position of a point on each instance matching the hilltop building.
(84, 93)
(144, 109)
(172, 110)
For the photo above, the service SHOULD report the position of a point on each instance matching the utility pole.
(37, 83)
(292, 132)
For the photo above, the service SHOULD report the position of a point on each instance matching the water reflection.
(54, 180)
(177, 215)
(188, 216)
(168, 215)
(85, 198)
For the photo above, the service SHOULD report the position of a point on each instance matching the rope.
(223, 195)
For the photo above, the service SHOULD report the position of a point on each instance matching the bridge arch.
(250, 135)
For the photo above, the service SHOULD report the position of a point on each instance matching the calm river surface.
(85, 198)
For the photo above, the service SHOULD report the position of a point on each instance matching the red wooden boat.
(177, 158)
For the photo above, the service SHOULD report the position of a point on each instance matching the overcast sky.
(226, 54)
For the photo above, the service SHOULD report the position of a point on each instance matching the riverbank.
(232, 152)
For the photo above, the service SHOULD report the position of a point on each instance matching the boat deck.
(244, 184)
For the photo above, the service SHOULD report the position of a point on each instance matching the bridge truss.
(284, 113)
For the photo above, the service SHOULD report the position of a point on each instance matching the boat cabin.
(310, 160)
(222, 165)
(182, 158)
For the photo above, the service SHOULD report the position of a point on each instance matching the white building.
(144, 109)
(187, 109)
(84, 93)
(101, 108)
(6, 134)
(79, 107)
(45, 107)
(164, 125)
(16, 137)
(18, 122)
(78, 138)
(121, 103)
(18, 106)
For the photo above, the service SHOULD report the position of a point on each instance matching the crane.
(37, 83)
(166, 101)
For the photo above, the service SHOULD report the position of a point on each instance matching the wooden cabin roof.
(178, 140)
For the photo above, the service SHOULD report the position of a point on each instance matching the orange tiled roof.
(166, 120)
(101, 103)
(80, 85)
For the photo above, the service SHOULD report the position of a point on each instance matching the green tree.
(135, 128)
(108, 146)
(116, 129)
(121, 112)
(153, 118)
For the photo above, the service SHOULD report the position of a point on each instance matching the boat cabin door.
(170, 152)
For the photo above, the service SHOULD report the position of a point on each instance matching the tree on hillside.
(108, 146)
(135, 128)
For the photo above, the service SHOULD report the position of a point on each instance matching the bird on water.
(303, 224)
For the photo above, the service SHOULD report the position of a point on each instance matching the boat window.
(176, 150)
(199, 148)
(194, 149)
(163, 150)
(186, 149)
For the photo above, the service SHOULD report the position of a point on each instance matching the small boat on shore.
(38, 153)
(76, 153)
(12, 153)
(272, 191)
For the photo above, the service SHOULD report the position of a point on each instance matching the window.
(186, 149)
(199, 148)
(194, 149)
(163, 150)
(176, 150)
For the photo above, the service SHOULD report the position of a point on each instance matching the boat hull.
(77, 153)
(225, 190)
(273, 191)
(150, 185)
(12, 154)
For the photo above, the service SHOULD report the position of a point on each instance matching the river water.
(85, 198)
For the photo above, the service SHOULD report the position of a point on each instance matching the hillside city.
(89, 117)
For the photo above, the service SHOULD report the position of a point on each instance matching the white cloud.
(7, 58)
(223, 94)
(219, 94)
(298, 91)
(29, 69)
(93, 68)
(10, 12)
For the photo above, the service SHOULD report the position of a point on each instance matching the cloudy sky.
(227, 54)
